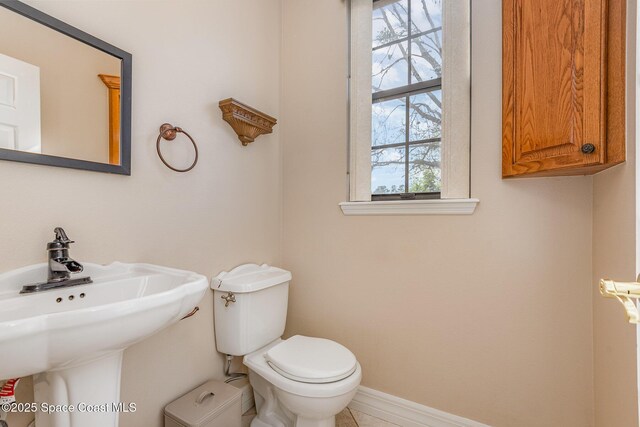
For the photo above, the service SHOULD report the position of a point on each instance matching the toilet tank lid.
(249, 278)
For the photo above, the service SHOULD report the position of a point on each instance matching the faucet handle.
(61, 236)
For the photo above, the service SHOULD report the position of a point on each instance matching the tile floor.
(352, 418)
(346, 418)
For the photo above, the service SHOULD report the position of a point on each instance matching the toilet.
(301, 381)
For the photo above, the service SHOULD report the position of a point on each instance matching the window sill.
(411, 207)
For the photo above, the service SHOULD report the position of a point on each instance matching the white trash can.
(213, 404)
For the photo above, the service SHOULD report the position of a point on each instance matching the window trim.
(456, 89)
(411, 207)
(456, 100)
(360, 105)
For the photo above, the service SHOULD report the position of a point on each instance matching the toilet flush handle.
(229, 298)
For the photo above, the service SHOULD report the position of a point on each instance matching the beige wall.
(615, 236)
(614, 256)
(485, 316)
(226, 211)
(490, 316)
(74, 101)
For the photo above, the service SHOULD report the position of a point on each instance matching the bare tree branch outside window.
(407, 100)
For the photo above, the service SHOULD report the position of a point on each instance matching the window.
(409, 99)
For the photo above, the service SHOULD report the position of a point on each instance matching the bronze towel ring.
(169, 132)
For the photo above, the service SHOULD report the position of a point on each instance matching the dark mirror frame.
(124, 168)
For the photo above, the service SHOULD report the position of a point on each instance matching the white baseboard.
(403, 412)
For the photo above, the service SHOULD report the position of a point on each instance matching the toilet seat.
(257, 363)
(311, 360)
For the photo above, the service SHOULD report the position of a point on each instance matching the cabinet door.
(554, 85)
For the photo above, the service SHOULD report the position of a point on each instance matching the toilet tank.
(250, 307)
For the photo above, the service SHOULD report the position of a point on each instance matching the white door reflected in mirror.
(19, 105)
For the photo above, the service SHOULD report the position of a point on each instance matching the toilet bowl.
(298, 382)
(293, 402)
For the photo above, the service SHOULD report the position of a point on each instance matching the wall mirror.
(65, 96)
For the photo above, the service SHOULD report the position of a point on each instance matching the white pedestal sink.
(72, 339)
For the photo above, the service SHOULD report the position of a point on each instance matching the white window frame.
(456, 117)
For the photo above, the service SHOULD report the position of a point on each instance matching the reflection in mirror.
(59, 90)
(113, 85)
(60, 94)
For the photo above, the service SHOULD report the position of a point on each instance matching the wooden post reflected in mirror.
(113, 84)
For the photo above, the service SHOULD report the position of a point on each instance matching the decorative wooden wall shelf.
(247, 122)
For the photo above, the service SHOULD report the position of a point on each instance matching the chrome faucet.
(60, 266)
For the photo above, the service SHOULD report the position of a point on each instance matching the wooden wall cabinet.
(563, 86)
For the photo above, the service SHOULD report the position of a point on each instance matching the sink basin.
(72, 339)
